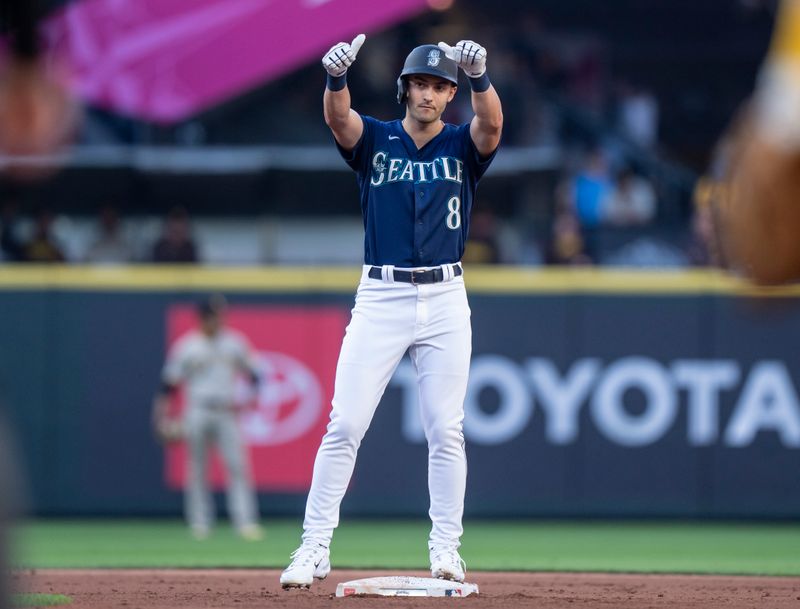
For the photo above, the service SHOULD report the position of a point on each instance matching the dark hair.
(211, 306)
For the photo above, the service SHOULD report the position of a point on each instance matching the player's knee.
(236, 468)
(442, 437)
(344, 429)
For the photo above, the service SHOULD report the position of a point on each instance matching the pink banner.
(164, 60)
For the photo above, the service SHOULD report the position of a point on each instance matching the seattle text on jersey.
(387, 170)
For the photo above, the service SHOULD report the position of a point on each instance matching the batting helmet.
(426, 59)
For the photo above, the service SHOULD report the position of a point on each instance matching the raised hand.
(342, 55)
(469, 55)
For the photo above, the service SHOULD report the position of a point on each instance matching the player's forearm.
(487, 126)
(488, 110)
(336, 107)
(336, 101)
(345, 123)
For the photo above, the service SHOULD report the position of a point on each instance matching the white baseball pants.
(432, 322)
(205, 426)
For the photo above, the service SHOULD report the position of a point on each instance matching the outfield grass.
(732, 548)
(39, 600)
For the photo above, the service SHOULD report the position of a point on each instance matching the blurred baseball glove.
(169, 430)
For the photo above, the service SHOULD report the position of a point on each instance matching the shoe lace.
(449, 554)
(306, 554)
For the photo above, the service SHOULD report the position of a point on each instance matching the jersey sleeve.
(245, 357)
(175, 367)
(478, 164)
(358, 158)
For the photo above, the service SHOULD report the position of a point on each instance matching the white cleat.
(250, 532)
(200, 532)
(310, 561)
(446, 563)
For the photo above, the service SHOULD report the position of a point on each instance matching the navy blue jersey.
(415, 203)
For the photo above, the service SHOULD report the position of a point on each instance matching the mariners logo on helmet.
(433, 57)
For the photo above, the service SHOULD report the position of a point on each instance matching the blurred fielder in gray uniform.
(208, 361)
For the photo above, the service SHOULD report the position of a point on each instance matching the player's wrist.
(336, 83)
(479, 83)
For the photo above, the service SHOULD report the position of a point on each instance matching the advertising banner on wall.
(679, 405)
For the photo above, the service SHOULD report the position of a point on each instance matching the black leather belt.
(415, 277)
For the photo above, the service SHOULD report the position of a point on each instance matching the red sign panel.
(296, 351)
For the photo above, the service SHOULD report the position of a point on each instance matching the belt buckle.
(414, 275)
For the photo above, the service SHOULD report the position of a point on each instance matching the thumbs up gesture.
(469, 55)
(342, 55)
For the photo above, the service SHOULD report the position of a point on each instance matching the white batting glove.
(341, 56)
(469, 55)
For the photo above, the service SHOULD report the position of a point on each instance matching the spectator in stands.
(43, 246)
(632, 202)
(591, 188)
(11, 245)
(482, 246)
(175, 245)
(704, 248)
(701, 249)
(587, 76)
(566, 244)
(110, 246)
(637, 115)
(587, 194)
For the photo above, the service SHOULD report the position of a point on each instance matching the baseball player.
(208, 361)
(417, 179)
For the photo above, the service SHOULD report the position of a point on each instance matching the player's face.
(428, 96)
(211, 324)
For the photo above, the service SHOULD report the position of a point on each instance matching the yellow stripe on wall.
(178, 277)
(479, 279)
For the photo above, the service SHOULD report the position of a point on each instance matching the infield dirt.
(259, 589)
